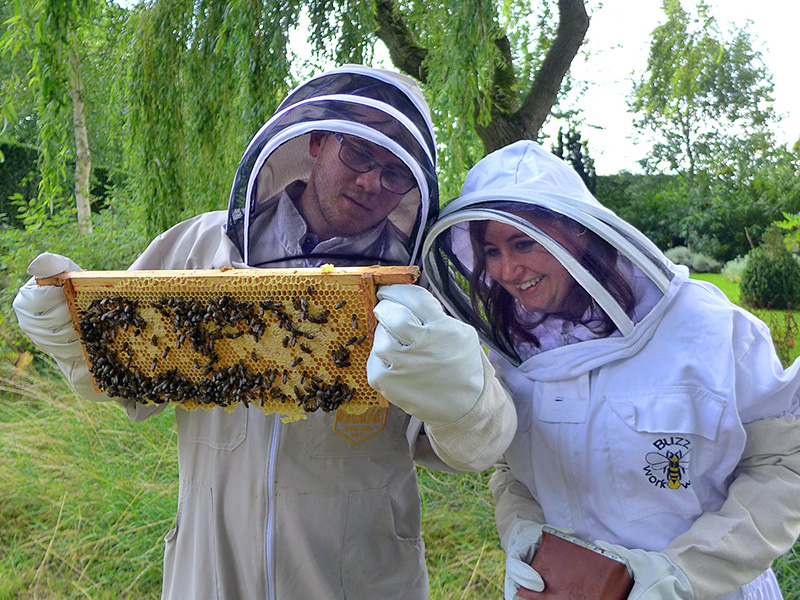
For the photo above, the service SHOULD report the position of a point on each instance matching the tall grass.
(86, 496)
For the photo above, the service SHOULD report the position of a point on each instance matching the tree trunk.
(507, 127)
(508, 123)
(83, 157)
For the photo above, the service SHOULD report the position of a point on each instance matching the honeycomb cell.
(286, 341)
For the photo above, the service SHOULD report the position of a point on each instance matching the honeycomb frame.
(286, 341)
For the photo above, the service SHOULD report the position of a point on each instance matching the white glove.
(523, 542)
(655, 576)
(42, 311)
(44, 317)
(423, 361)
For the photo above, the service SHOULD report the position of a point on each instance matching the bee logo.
(672, 464)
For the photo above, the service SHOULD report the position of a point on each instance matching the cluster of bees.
(114, 333)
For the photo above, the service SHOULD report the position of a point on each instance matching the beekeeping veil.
(383, 107)
(623, 274)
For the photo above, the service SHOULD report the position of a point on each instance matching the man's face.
(339, 200)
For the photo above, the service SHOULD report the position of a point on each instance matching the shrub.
(696, 261)
(733, 269)
(771, 279)
(117, 239)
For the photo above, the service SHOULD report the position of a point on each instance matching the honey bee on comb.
(275, 339)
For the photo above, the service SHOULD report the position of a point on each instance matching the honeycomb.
(286, 341)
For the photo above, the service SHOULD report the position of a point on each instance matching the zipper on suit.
(270, 541)
(564, 469)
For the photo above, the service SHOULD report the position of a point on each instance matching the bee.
(671, 463)
(306, 349)
(355, 321)
(341, 357)
(154, 340)
(340, 304)
(165, 352)
(310, 291)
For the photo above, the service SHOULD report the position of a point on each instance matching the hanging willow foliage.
(206, 74)
(47, 30)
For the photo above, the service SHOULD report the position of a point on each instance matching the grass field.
(86, 497)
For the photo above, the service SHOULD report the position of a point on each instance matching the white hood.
(380, 106)
(525, 178)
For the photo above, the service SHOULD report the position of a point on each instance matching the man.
(343, 173)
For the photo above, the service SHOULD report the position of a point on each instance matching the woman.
(654, 417)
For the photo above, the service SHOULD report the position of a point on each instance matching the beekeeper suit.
(343, 173)
(656, 419)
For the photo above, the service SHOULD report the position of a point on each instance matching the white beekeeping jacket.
(656, 418)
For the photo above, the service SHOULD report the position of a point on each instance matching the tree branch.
(507, 127)
(393, 31)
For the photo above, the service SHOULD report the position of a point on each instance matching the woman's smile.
(537, 279)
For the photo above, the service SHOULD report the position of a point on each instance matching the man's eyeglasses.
(392, 179)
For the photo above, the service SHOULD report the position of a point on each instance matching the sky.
(619, 41)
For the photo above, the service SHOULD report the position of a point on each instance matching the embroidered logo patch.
(357, 428)
(667, 465)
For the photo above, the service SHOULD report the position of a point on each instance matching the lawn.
(782, 324)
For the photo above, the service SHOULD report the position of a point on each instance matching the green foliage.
(707, 99)
(44, 29)
(654, 204)
(116, 240)
(752, 188)
(18, 181)
(733, 269)
(790, 225)
(783, 328)
(87, 495)
(771, 278)
(696, 261)
(719, 216)
(701, 90)
(462, 550)
(53, 53)
(198, 89)
(577, 155)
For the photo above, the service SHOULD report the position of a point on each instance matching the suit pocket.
(662, 442)
(216, 428)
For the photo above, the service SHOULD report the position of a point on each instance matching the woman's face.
(525, 269)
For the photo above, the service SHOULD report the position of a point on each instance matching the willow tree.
(206, 74)
(57, 36)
